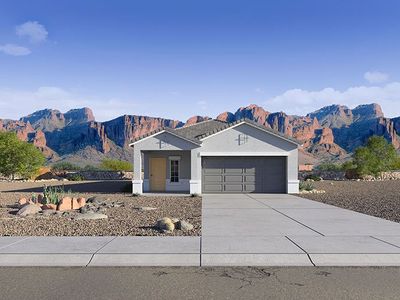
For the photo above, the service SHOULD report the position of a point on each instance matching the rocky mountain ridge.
(330, 133)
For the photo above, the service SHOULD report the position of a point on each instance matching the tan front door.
(158, 174)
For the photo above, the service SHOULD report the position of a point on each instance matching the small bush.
(90, 168)
(312, 177)
(329, 167)
(116, 165)
(64, 166)
(306, 186)
(53, 194)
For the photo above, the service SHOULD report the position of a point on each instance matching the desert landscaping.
(376, 198)
(80, 210)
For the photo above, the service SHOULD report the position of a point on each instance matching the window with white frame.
(174, 170)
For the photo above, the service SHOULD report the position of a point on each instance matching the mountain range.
(328, 134)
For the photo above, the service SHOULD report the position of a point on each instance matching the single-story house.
(216, 157)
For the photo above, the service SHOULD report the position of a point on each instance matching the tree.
(375, 157)
(116, 165)
(18, 157)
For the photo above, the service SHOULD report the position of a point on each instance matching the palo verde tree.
(18, 157)
(375, 157)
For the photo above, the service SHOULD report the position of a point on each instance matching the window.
(174, 169)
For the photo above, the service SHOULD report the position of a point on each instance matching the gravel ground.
(122, 221)
(375, 198)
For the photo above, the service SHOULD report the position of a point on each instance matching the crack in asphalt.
(246, 276)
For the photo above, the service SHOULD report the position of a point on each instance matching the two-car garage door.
(244, 174)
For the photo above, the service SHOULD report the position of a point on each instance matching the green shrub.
(116, 165)
(18, 157)
(53, 194)
(329, 167)
(375, 157)
(312, 177)
(306, 186)
(65, 166)
(90, 168)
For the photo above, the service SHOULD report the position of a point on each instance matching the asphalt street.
(200, 283)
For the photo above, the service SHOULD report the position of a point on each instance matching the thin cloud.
(58, 98)
(202, 104)
(14, 50)
(376, 77)
(299, 101)
(34, 31)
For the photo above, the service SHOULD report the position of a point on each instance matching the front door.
(158, 174)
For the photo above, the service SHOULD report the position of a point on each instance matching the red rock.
(75, 204)
(49, 206)
(195, 120)
(22, 201)
(65, 204)
(81, 202)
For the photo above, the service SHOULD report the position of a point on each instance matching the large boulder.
(185, 226)
(165, 224)
(29, 209)
(65, 204)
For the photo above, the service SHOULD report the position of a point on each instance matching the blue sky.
(176, 59)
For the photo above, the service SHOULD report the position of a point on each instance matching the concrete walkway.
(251, 230)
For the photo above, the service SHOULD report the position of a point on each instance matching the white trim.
(293, 186)
(282, 153)
(164, 131)
(137, 186)
(252, 125)
(195, 186)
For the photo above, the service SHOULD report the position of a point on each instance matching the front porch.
(165, 171)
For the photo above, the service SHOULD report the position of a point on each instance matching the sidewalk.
(197, 251)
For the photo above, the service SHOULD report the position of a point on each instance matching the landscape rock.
(91, 216)
(169, 227)
(75, 204)
(145, 208)
(165, 224)
(65, 204)
(81, 202)
(22, 201)
(29, 209)
(174, 220)
(185, 226)
(97, 200)
(49, 206)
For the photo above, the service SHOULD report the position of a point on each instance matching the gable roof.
(195, 133)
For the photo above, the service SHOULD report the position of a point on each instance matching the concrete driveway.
(261, 229)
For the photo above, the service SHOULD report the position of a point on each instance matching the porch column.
(137, 182)
(195, 172)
